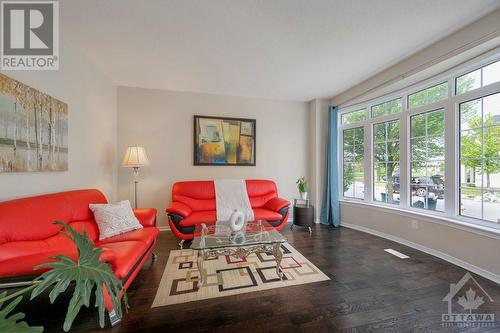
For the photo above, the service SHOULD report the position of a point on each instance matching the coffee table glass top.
(219, 235)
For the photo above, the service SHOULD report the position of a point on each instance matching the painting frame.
(197, 161)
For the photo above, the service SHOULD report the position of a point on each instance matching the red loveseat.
(28, 236)
(193, 203)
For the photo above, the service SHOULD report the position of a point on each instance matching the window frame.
(484, 63)
(407, 95)
(482, 158)
(342, 162)
(353, 111)
(450, 105)
(384, 103)
(377, 122)
(410, 115)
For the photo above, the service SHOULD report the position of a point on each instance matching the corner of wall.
(318, 135)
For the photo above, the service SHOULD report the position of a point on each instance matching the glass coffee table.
(256, 237)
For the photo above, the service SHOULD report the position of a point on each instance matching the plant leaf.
(13, 324)
(88, 274)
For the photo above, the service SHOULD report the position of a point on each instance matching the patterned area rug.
(231, 276)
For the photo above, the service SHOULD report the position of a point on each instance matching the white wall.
(91, 99)
(162, 122)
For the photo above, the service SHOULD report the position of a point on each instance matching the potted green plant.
(302, 186)
(89, 275)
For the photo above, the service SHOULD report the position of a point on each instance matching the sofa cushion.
(147, 235)
(89, 226)
(25, 265)
(127, 254)
(58, 243)
(199, 217)
(198, 195)
(209, 217)
(260, 191)
(36, 215)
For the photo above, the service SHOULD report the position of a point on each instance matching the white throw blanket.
(231, 195)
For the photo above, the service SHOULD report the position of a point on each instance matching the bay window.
(432, 148)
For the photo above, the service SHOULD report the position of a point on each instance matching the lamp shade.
(135, 156)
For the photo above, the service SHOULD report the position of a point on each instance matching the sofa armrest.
(179, 208)
(146, 216)
(276, 204)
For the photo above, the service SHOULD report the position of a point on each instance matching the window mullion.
(452, 161)
(404, 156)
(353, 164)
(368, 162)
(482, 158)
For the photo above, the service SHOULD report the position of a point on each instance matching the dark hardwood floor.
(369, 291)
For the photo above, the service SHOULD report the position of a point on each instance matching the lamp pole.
(136, 181)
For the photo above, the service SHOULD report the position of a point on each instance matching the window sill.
(432, 218)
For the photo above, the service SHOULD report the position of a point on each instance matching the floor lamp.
(135, 157)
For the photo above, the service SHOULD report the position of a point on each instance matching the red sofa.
(193, 202)
(28, 236)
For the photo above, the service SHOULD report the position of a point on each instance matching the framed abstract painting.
(224, 141)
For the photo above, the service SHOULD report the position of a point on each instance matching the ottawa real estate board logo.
(467, 301)
(29, 35)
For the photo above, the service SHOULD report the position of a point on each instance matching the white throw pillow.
(114, 219)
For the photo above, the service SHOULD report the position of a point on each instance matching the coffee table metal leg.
(200, 267)
(278, 256)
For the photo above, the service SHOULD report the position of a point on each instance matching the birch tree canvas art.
(33, 129)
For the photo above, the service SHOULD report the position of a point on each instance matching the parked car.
(422, 186)
(428, 186)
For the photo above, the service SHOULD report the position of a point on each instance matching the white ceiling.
(279, 49)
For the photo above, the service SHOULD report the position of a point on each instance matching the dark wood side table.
(303, 214)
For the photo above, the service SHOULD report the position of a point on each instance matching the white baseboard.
(468, 266)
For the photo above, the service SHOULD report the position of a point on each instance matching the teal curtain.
(330, 210)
